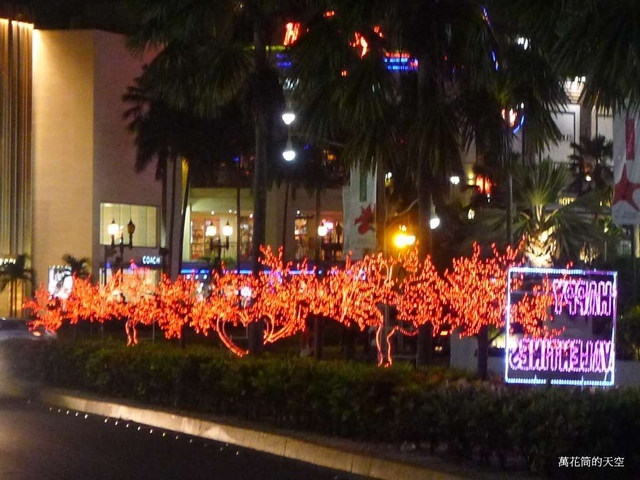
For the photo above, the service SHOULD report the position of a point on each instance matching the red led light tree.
(470, 297)
(48, 311)
(422, 295)
(275, 297)
(174, 305)
(476, 290)
(278, 298)
(133, 300)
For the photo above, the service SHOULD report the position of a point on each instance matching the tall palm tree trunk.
(185, 204)
(284, 220)
(259, 174)
(13, 298)
(424, 339)
(172, 218)
(381, 209)
(318, 321)
(183, 215)
(165, 242)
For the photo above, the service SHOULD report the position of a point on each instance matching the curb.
(284, 446)
(275, 444)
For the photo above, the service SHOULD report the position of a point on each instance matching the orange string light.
(471, 294)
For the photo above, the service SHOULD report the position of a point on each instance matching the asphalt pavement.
(41, 442)
(129, 440)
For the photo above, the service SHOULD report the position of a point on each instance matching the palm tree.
(347, 94)
(167, 136)
(591, 38)
(215, 54)
(212, 55)
(590, 165)
(600, 42)
(453, 43)
(79, 267)
(526, 84)
(12, 274)
(552, 233)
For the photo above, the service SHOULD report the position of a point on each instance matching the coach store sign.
(151, 260)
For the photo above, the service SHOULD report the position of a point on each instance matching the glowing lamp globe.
(113, 228)
(289, 153)
(227, 230)
(400, 240)
(288, 118)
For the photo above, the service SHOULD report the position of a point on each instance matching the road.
(39, 442)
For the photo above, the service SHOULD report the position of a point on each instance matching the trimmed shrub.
(436, 408)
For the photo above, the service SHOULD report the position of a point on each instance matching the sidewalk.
(368, 460)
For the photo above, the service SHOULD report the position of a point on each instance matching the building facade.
(16, 167)
(84, 156)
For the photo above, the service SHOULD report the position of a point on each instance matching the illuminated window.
(144, 217)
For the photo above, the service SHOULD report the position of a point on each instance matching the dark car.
(19, 328)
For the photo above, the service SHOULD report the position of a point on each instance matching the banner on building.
(625, 207)
(60, 281)
(359, 204)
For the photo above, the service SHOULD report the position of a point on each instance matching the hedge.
(439, 409)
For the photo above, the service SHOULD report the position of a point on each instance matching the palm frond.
(602, 44)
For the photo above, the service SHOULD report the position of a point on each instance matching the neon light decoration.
(583, 307)
(394, 61)
(483, 185)
(556, 355)
(403, 62)
(291, 34)
(582, 297)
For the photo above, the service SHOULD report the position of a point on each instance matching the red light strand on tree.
(472, 293)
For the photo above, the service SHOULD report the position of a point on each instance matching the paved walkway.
(374, 461)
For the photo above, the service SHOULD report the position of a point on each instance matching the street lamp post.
(216, 244)
(117, 250)
(318, 323)
(322, 233)
(289, 154)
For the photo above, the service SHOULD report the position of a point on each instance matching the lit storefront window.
(144, 217)
(200, 245)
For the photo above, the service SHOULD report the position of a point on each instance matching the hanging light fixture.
(289, 154)
(288, 117)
